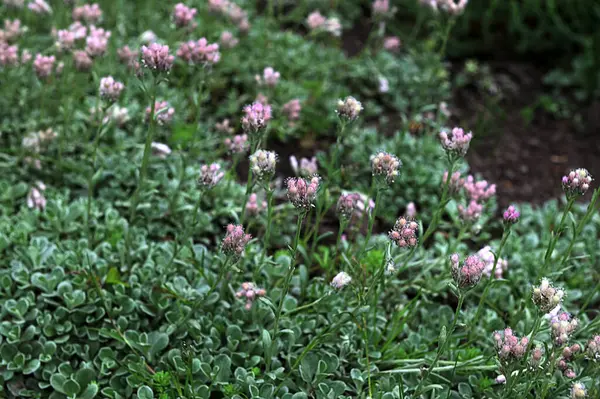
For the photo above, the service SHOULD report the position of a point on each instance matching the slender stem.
(371, 220)
(286, 287)
(436, 216)
(449, 27)
(90, 182)
(143, 170)
(442, 349)
(249, 184)
(589, 298)
(189, 230)
(555, 236)
(367, 359)
(269, 219)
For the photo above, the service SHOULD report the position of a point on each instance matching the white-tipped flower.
(577, 181)
(456, 142)
(262, 164)
(386, 165)
(349, 108)
(341, 280)
(578, 391)
(546, 297)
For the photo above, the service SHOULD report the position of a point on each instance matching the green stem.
(371, 219)
(443, 201)
(367, 359)
(189, 230)
(267, 236)
(90, 182)
(442, 349)
(554, 239)
(449, 27)
(591, 210)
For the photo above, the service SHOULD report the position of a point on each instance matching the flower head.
(592, 350)
(509, 346)
(385, 165)
(210, 175)
(96, 42)
(35, 198)
(235, 240)
(469, 273)
(307, 167)
(577, 182)
(333, 26)
(127, 56)
(160, 150)
(404, 233)
(162, 112)
(40, 7)
(199, 52)
(250, 292)
(341, 280)
(487, 256)
(8, 55)
(256, 117)
(478, 190)
(578, 390)
(349, 108)
(110, 89)
(315, 20)
(262, 164)
(43, 65)
(546, 297)
(381, 7)
(238, 144)
(118, 115)
(254, 206)
(183, 15)
(456, 142)
(157, 57)
(511, 215)
(270, 77)
(65, 40)
(90, 13)
(561, 327)
(302, 192)
(292, 109)
(472, 212)
(392, 43)
(228, 40)
(455, 184)
(82, 60)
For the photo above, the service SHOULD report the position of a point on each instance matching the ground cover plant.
(215, 200)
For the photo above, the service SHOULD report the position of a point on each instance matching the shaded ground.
(526, 161)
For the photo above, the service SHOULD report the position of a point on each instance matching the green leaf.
(90, 392)
(58, 381)
(145, 392)
(308, 367)
(114, 277)
(31, 366)
(158, 341)
(71, 387)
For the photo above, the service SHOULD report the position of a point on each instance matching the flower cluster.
(577, 182)
(96, 42)
(470, 213)
(351, 205)
(306, 168)
(341, 280)
(90, 13)
(386, 165)
(210, 175)
(509, 346)
(567, 355)
(455, 184)
(318, 23)
(254, 207)
(33, 142)
(224, 127)
(404, 233)
(199, 52)
(40, 7)
(478, 190)
(449, 6)
(269, 78)
(349, 108)
(162, 112)
(546, 297)
(160, 150)
(157, 57)
(511, 215)
(292, 109)
(469, 273)
(381, 8)
(82, 60)
(238, 144)
(127, 56)
(392, 43)
(301, 192)
(43, 65)
(235, 240)
(250, 292)
(487, 256)
(12, 30)
(456, 143)
(256, 117)
(578, 390)
(262, 164)
(9, 56)
(117, 115)
(183, 15)
(561, 327)
(110, 89)
(592, 350)
(35, 198)
(228, 40)
(232, 11)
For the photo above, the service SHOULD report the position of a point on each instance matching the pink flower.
(199, 52)
(386, 165)
(96, 42)
(307, 167)
(183, 15)
(577, 182)
(90, 13)
(65, 40)
(256, 117)
(592, 350)
(349, 108)
(157, 57)
(270, 77)
(9, 56)
(381, 7)
(487, 256)
(315, 20)
(404, 233)
(210, 175)
(302, 193)
(469, 273)
(561, 327)
(43, 65)
(228, 40)
(254, 207)
(237, 145)
(83, 62)
(456, 183)
(78, 30)
(127, 55)
(341, 280)
(35, 198)
(292, 109)
(110, 89)
(224, 127)
(235, 241)
(162, 112)
(392, 43)
(472, 212)
(509, 346)
(160, 150)
(479, 191)
(250, 292)
(511, 215)
(40, 7)
(411, 210)
(12, 30)
(456, 142)
(351, 205)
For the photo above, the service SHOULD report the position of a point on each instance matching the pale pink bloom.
(391, 43)
(238, 144)
(509, 346)
(224, 127)
(228, 40)
(577, 182)
(26, 56)
(562, 327)
(381, 7)
(110, 89)
(262, 164)
(386, 165)
(315, 20)
(333, 26)
(40, 7)
(269, 78)
(472, 212)
(78, 30)
(469, 273)
(411, 210)
(250, 292)
(487, 256)
(456, 142)
(292, 109)
(404, 233)
(127, 55)
(162, 112)
(341, 280)
(90, 13)
(478, 190)
(306, 168)
(65, 40)
(302, 193)
(349, 108)
(12, 30)
(83, 62)
(157, 57)
(592, 350)
(210, 175)
(183, 15)
(160, 150)
(511, 215)
(254, 206)
(96, 42)
(8, 55)
(235, 240)
(43, 65)
(199, 52)
(35, 198)
(148, 37)
(256, 117)
(118, 115)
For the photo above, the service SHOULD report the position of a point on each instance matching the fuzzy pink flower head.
(302, 192)
(262, 164)
(487, 256)
(96, 42)
(183, 15)
(256, 117)
(228, 40)
(235, 240)
(341, 280)
(78, 30)
(349, 108)
(65, 40)
(250, 292)
(392, 43)
(404, 233)
(199, 52)
(578, 390)
(547, 297)
(306, 168)
(269, 78)
(12, 30)
(162, 112)
(500, 379)
(577, 182)
(210, 175)
(381, 7)
(456, 183)
(224, 127)
(536, 356)
(292, 109)
(35, 198)
(315, 20)
(9, 55)
(110, 89)
(40, 7)
(156, 57)
(353, 205)
(385, 165)
(160, 150)
(83, 62)
(43, 65)
(238, 144)
(472, 212)
(254, 207)
(511, 215)
(509, 346)
(478, 190)
(90, 13)
(561, 327)
(469, 273)
(592, 350)
(456, 143)
(127, 56)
